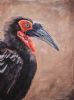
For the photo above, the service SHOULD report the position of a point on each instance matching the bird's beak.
(43, 35)
(39, 32)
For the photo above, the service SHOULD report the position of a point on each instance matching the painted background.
(54, 79)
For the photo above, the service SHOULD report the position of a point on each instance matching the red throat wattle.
(26, 40)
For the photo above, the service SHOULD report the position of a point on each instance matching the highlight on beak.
(41, 34)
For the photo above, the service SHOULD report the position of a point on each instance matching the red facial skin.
(25, 25)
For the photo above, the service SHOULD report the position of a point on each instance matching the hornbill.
(17, 59)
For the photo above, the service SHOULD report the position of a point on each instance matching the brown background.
(54, 78)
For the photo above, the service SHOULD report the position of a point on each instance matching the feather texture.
(17, 69)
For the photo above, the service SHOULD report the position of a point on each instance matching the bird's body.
(16, 79)
(17, 60)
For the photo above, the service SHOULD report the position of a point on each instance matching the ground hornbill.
(17, 60)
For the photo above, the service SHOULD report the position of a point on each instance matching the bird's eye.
(27, 25)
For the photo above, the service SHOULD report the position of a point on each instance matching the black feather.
(15, 81)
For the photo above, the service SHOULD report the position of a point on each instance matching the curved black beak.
(41, 34)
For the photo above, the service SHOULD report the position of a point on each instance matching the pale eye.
(27, 25)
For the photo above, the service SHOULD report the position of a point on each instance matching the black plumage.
(15, 79)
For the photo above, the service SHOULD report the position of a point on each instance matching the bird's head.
(23, 29)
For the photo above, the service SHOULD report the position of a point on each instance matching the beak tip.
(56, 47)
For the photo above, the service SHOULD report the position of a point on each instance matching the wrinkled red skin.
(21, 34)
(26, 40)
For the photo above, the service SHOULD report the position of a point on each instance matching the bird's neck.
(17, 45)
(20, 47)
